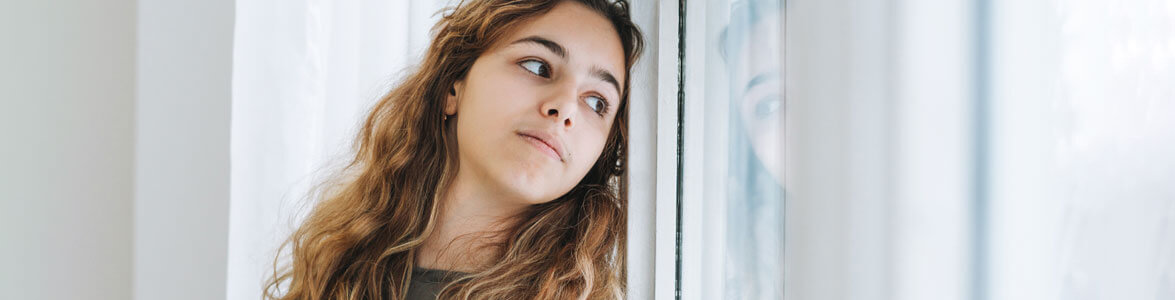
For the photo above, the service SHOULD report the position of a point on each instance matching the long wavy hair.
(360, 240)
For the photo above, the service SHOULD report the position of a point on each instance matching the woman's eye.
(537, 67)
(597, 104)
(768, 107)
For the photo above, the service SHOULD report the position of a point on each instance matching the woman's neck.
(466, 224)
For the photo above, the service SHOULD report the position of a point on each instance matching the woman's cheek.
(593, 151)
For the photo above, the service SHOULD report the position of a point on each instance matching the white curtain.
(304, 73)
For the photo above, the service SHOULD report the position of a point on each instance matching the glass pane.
(744, 109)
(1083, 150)
(1070, 178)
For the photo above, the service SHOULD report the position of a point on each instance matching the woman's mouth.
(543, 143)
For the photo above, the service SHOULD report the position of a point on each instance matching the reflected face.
(534, 111)
(758, 87)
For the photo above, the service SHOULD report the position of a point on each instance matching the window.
(915, 149)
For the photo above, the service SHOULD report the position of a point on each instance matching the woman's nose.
(561, 107)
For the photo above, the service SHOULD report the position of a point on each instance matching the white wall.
(66, 148)
(114, 166)
(182, 147)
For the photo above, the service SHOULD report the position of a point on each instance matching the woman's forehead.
(585, 36)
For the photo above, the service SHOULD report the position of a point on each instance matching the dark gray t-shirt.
(427, 283)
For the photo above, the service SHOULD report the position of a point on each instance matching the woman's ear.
(452, 98)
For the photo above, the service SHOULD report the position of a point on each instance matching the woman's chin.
(530, 189)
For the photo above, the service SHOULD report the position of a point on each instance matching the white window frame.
(652, 175)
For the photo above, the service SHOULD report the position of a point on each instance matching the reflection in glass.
(751, 53)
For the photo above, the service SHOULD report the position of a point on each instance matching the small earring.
(445, 117)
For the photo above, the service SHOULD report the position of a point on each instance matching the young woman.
(495, 171)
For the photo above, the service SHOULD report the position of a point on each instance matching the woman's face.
(534, 111)
(755, 73)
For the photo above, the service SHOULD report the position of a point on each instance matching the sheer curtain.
(304, 72)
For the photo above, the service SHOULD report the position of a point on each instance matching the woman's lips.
(542, 145)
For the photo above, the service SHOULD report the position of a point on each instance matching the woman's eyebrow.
(762, 79)
(551, 45)
(607, 77)
(554, 47)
